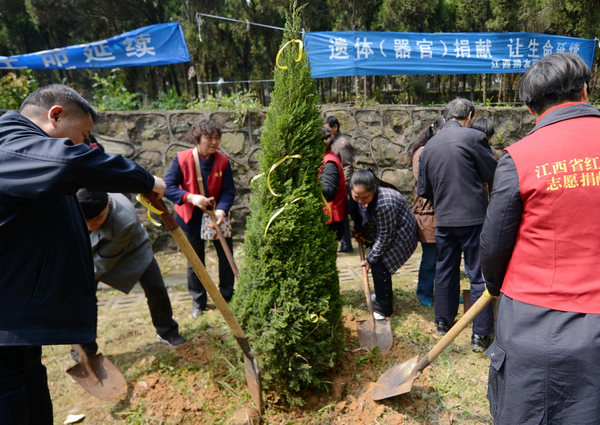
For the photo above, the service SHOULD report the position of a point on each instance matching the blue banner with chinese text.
(348, 53)
(159, 44)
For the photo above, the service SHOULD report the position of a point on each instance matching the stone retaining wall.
(382, 137)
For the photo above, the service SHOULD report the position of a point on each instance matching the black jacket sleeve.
(501, 225)
(330, 177)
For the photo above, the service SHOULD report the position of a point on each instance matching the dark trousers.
(159, 305)
(337, 227)
(544, 366)
(427, 272)
(451, 242)
(346, 242)
(24, 394)
(384, 297)
(158, 300)
(226, 277)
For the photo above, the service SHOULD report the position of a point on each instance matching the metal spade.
(371, 332)
(97, 375)
(399, 378)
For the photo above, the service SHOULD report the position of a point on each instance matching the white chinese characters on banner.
(98, 52)
(158, 44)
(139, 46)
(519, 53)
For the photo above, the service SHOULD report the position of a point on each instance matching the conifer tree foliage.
(288, 299)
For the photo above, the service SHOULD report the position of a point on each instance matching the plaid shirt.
(390, 225)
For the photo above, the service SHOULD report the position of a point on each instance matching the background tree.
(237, 52)
(288, 297)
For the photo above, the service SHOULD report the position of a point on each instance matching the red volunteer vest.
(190, 183)
(556, 259)
(339, 205)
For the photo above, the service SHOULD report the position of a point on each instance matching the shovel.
(226, 249)
(250, 364)
(399, 378)
(371, 332)
(97, 375)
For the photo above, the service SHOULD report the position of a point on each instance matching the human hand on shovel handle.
(250, 364)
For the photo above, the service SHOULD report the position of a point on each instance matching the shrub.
(15, 88)
(288, 297)
(110, 93)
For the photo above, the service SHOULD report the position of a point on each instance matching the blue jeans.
(427, 272)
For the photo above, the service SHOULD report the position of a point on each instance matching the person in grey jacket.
(123, 256)
(453, 168)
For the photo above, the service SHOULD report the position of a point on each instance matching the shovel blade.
(253, 381)
(396, 380)
(366, 334)
(380, 337)
(107, 383)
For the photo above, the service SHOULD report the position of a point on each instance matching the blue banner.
(347, 53)
(158, 44)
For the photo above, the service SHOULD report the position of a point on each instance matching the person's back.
(453, 168)
(559, 185)
(455, 163)
(539, 251)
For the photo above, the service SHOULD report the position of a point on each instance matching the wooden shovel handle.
(224, 244)
(187, 249)
(365, 273)
(455, 330)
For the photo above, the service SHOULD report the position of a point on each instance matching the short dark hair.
(331, 121)
(57, 94)
(91, 203)
(554, 79)
(458, 109)
(484, 125)
(204, 127)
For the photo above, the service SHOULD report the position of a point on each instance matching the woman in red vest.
(193, 195)
(333, 186)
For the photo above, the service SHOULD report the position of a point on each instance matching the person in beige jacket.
(423, 211)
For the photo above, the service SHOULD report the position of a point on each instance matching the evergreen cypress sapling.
(288, 299)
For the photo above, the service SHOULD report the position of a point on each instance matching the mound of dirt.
(201, 400)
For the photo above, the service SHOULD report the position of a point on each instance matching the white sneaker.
(378, 316)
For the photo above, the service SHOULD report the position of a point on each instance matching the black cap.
(92, 203)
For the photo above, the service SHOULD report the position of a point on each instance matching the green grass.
(209, 377)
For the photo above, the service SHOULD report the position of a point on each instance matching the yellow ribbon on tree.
(150, 208)
(279, 211)
(274, 166)
(300, 50)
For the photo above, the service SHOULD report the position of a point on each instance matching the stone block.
(233, 143)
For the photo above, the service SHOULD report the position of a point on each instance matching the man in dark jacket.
(453, 168)
(47, 290)
(539, 247)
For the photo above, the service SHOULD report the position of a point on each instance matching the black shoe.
(480, 343)
(171, 340)
(196, 312)
(442, 327)
(344, 247)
